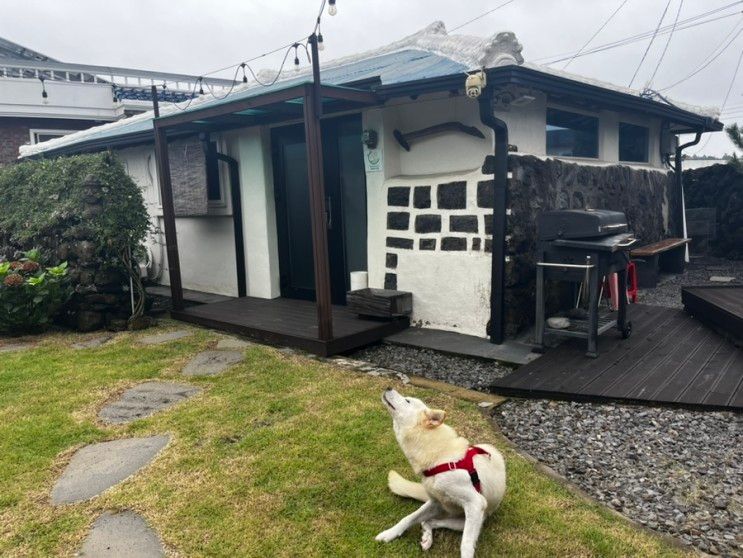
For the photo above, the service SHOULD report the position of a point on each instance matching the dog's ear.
(433, 417)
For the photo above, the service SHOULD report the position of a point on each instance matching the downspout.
(678, 169)
(500, 185)
(237, 221)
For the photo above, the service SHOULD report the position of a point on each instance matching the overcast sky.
(196, 36)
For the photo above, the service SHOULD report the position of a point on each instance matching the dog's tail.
(406, 488)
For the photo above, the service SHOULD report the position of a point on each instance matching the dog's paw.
(387, 536)
(426, 536)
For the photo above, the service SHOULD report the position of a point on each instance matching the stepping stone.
(233, 343)
(13, 347)
(145, 400)
(121, 535)
(210, 363)
(94, 342)
(98, 467)
(721, 279)
(164, 337)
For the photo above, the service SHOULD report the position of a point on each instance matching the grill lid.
(580, 223)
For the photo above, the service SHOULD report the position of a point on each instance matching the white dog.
(461, 485)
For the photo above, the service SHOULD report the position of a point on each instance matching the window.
(572, 135)
(37, 136)
(633, 143)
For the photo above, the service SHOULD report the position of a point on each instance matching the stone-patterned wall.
(439, 232)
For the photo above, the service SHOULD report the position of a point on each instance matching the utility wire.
(709, 58)
(725, 100)
(652, 39)
(595, 34)
(684, 24)
(668, 42)
(482, 15)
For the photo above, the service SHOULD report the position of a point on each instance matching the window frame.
(57, 133)
(579, 113)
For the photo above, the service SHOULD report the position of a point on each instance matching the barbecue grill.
(584, 246)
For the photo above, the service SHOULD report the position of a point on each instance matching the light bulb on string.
(201, 87)
(320, 43)
(245, 78)
(296, 58)
(332, 9)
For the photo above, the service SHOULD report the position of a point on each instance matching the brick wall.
(13, 134)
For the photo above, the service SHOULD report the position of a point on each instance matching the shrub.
(30, 296)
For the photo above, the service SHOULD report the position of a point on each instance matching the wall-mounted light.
(44, 94)
(370, 138)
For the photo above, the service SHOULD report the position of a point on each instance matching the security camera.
(475, 84)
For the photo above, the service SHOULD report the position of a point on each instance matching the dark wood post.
(313, 138)
(166, 199)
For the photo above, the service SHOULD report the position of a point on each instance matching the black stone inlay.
(390, 281)
(488, 166)
(452, 195)
(489, 223)
(397, 242)
(422, 197)
(427, 244)
(476, 243)
(463, 223)
(391, 261)
(452, 243)
(488, 244)
(399, 196)
(398, 220)
(427, 223)
(485, 193)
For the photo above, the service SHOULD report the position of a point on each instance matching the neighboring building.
(42, 98)
(418, 219)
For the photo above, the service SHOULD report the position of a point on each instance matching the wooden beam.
(166, 198)
(313, 138)
(347, 94)
(258, 101)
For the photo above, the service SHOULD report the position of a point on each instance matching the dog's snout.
(389, 389)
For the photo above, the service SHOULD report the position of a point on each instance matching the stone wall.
(647, 197)
(12, 136)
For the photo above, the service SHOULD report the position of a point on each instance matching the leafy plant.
(31, 296)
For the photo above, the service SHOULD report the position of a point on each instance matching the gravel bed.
(470, 373)
(675, 471)
(697, 272)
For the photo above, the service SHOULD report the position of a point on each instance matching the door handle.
(329, 211)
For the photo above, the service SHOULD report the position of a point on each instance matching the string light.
(332, 9)
(245, 78)
(44, 94)
(296, 58)
(201, 87)
(320, 43)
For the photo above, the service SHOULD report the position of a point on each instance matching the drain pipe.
(500, 185)
(678, 169)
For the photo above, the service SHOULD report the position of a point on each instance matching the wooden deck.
(671, 358)
(292, 323)
(721, 307)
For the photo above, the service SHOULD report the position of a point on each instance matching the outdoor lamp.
(332, 10)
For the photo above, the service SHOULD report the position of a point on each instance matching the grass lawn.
(279, 456)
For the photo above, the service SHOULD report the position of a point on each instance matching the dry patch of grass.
(278, 457)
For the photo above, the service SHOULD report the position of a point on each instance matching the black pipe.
(500, 188)
(678, 169)
(237, 221)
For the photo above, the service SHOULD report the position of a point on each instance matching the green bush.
(30, 296)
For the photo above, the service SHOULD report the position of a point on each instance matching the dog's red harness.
(466, 464)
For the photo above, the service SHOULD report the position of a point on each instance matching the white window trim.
(33, 131)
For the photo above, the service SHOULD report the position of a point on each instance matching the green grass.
(280, 456)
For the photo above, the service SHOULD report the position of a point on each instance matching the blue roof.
(391, 68)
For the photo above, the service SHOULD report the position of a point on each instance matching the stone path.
(211, 363)
(165, 337)
(93, 343)
(98, 467)
(121, 535)
(144, 400)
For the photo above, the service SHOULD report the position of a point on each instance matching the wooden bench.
(665, 255)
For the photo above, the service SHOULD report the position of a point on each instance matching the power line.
(482, 15)
(708, 60)
(725, 100)
(595, 34)
(652, 39)
(684, 24)
(668, 42)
